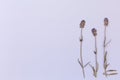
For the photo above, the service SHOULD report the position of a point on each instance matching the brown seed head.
(82, 24)
(94, 32)
(106, 21)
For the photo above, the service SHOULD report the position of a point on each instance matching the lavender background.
(39, 39)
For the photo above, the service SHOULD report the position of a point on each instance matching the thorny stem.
(81, 40)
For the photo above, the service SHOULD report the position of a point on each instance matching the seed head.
(106, 21)
(82, 24)
(94, 32)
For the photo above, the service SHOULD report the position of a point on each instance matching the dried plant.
(82, 25)
(105, 63)
(95, 69)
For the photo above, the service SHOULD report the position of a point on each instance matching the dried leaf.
(105, 60)
(107, 43)
(113, 74)
(106, 65)
(111, 70)
(80, 63)
(86, 64)
(105, 57)
(94, 72)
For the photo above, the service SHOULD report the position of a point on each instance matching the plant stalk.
(81, 59)
(96, 62)
(104, 51)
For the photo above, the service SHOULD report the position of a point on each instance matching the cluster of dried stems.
(105, 63)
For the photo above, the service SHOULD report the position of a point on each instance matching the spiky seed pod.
(82, 24)
(94, 32)
(106, 21)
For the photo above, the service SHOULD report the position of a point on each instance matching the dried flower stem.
(105, 63)
(95, 69)
(82, 24)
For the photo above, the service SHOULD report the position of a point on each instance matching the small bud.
(94, 31)
(106, 21)
(82, 24)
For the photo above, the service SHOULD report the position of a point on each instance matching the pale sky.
(39, 39)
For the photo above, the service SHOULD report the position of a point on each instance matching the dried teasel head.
(82, 24)
(94, 32)
(106, 21)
